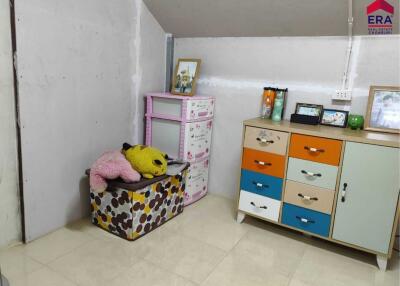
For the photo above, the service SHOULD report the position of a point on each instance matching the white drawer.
(197, 140)
(259, 205)
(201, 108)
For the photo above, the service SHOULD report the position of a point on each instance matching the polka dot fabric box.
(132, 210)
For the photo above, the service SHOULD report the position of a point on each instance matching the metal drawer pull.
(260, 207)
(312, 149)
(302, 219)
(311, 174)
(259, 185)
(262, 140)
(262, 163)
(307, 197)
(344, 192)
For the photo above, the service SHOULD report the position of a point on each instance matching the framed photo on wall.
(185, 77)
(383, 110)
(333, 117)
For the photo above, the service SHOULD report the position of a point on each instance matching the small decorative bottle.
(278, 105)
(267, 102)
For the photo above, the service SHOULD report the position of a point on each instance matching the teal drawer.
(305, 219)
(261, 184)
(312, 173)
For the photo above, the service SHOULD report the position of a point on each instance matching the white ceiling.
(252, 18)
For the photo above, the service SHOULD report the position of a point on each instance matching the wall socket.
(342, 94)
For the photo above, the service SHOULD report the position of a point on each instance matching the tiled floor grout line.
(169, 270)
(226, 255)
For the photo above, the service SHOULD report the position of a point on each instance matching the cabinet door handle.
(311, 174)
(302, 219)
(262, 163)
(307, 197)
(260, 207)
(314, 150)
(263, 140)
(343, 193)
(259, 185)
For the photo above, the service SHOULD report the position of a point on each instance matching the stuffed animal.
(148, 161)
(111, 165)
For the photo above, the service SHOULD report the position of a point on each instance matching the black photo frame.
(334, 117)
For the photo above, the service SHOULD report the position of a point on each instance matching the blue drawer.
(305, 219)
(261, 184)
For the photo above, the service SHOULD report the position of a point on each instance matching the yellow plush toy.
(148, 161)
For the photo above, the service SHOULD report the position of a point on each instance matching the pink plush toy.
(111, 165)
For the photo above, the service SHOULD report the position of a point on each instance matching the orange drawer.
(263, 162)
(315, 149)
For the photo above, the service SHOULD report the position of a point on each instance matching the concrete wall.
(236, 69)
(10, 228)
(79, 74)
(151, 65)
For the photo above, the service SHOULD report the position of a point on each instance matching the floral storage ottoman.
(132, 210)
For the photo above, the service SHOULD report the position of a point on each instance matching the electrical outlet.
(342, 94)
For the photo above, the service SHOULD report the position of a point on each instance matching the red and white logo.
(380, 17)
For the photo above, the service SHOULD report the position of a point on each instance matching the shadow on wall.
(83, 201)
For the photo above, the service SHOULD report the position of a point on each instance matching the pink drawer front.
(197, 142)
(200, 108)
(197, 181)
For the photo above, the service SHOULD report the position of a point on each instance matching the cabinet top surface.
(346, 134)
(181, 97)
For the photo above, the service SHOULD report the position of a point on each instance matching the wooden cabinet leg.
(240, 217)
(382, 262)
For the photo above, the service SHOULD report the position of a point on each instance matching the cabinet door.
(365, 214)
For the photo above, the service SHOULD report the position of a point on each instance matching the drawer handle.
(302, 219)
(311, 174)
(262, 163)
(263, 140)
(260, 207)
(259, 185)
(312, 149)
(343, 193)
(307, 197)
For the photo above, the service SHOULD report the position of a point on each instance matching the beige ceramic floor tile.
(210, 206)
(220, 233)
(15, 263)
(42, 277)
(240, 268)
(56, 244)
(147, 274)
(96, 262)
(186, 257)
(272, 250)
(321, 267)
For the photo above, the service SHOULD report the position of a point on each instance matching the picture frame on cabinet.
(185, 77)
(308, 109)
(383, 109)
(334, 117)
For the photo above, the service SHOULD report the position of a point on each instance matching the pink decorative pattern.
(195, 133)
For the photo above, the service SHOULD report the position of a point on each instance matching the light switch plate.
(342, 94)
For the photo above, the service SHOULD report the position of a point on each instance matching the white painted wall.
(79, 74)
(236, 69)
(151, 62)
(10, 227)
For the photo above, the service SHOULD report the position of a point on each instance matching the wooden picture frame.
(185, 77)
(330, 117)
(299, 107)
(383, 109)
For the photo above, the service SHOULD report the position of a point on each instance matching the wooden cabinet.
(338, 184)
(368, 193)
